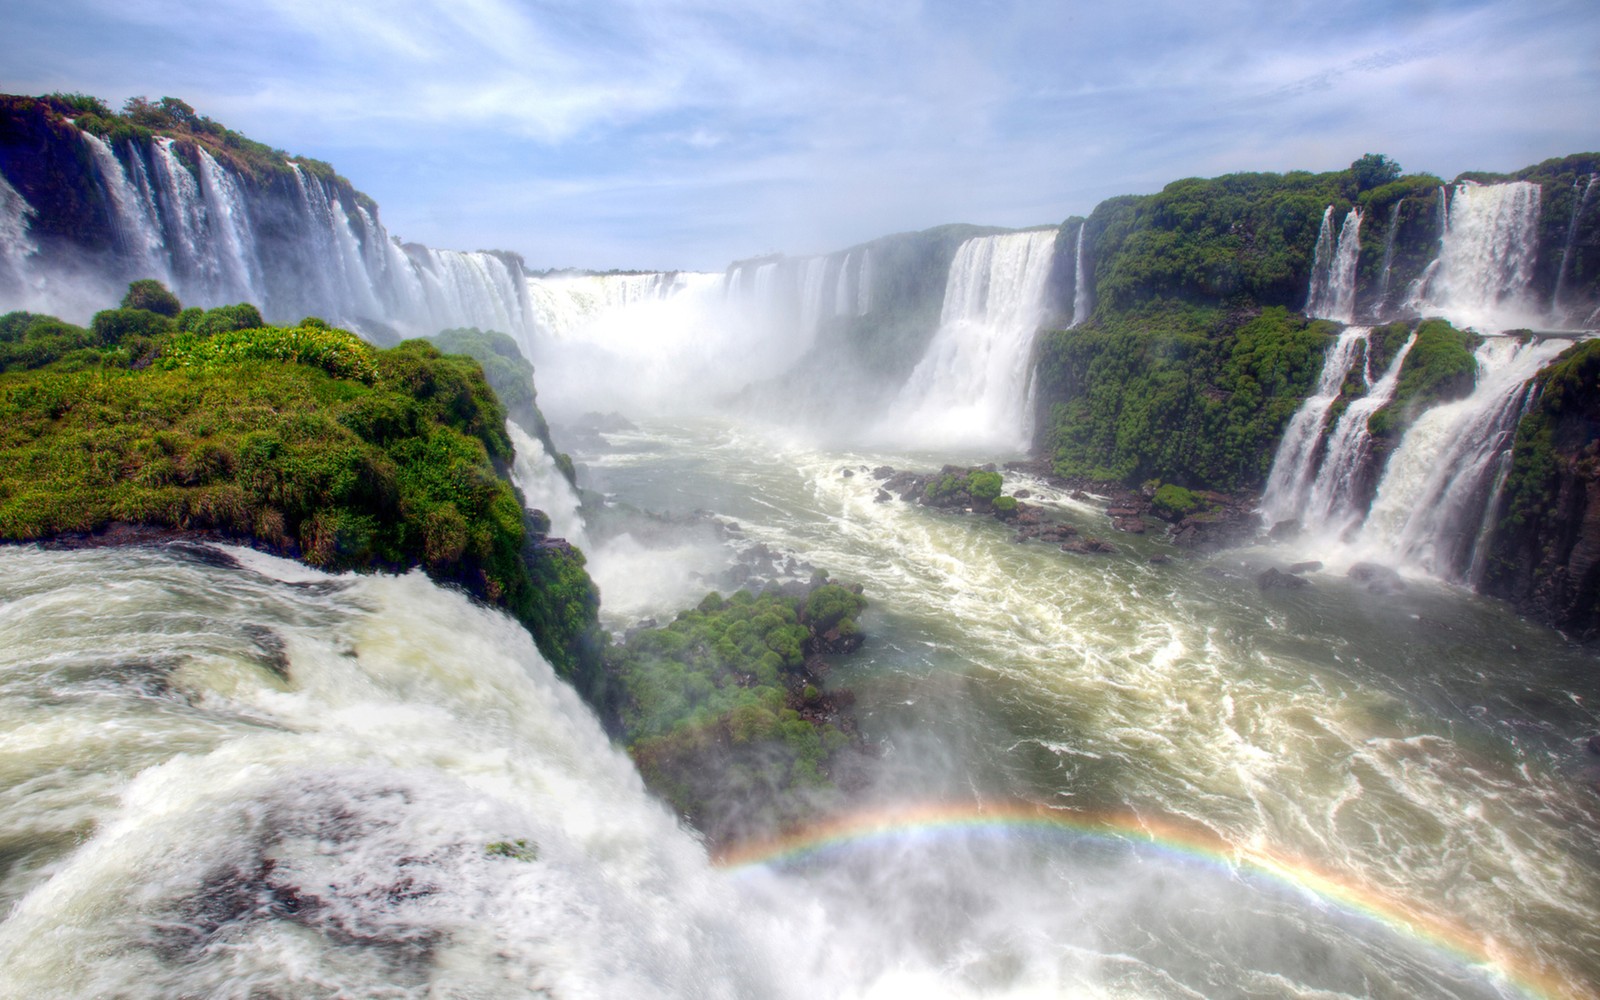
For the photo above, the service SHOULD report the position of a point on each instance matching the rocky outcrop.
(1545, 557)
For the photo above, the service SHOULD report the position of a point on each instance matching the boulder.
(1380, 579)
(1275, 579)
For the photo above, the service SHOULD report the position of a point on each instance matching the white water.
(1295, 463)
(1333, 274)
(1082, 295)
(1430, 506)
(1581, 205)
(544, 487)
(970, 390)
(201, 826)
(1486, 259)
(1382, 298)
(1332, 501)
(231, 232)
(138, 229)
(15, 245)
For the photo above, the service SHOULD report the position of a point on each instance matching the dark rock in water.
(1380, 579)
(1309, 566)
(883, 497)
(882, 472)
(1079, 496)
(1594, 744)
(1118, 511)
(1159, 559)
(847, 473)
(1284, 530)
(1132, 525)
(1088, 546)
(1275, 579)
(1023, 494)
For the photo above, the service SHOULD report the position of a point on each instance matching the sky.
(661, 134)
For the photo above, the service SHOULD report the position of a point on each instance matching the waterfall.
(1335, 498)
(292, 245)
(1333, 273)
(843, 300)
(864, 284)
(1486, 258)
(1581, 203)
(544, 488)
(971, 387)
(1382, 298)
(1430, 506)
(137, 229)
(15, 246)
(1294, 464)
(1080, 281)
(816, 269)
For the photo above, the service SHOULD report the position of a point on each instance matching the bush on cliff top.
(304, 439)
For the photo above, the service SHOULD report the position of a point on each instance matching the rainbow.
(1341, 891)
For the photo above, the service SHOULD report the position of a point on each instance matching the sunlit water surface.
(1095, 776)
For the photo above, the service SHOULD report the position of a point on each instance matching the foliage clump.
(303, 440)
(1177, 392)
(722, 711)
(1439, 368)
(1174, 502)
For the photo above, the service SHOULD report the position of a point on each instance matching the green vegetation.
(516, 850)
(1567, 389)
(720, 713)
(955, 486)
(304, 440)
(1440, 368)
(1174, 502)
(1177, 393)
(511, 377)
(152, 296)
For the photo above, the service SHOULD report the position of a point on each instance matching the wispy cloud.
(688, 132)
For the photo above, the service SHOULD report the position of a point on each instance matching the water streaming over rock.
(1294, 465)
(1430, 508)
(1082, 294)
(1333, 274)
(1486, 258)
(1337, 496)
(1381, 299)
(290, 242)
(15, 246)
(544, 488)
(971, 387)
(1580, 206)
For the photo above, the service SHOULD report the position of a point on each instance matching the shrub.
(151, 295)
(1175, 502)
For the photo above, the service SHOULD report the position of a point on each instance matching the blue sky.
(688, 133)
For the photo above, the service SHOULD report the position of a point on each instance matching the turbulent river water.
(226, 775)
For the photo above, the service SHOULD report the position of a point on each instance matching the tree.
(1374, 170)
(148, 293)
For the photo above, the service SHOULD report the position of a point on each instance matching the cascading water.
(15, 246)
(544, 488)
(1333, 274)
(291, 248)
(1295, 463)
(137, 227)
(1382, 298)
(1334, 499)
(1580, 206)
(1430, 505)
(970, 390)
(1486, 258)
(864, 283)
(1082, 296)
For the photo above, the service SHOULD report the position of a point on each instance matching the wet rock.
(1274, 579)
(847, 473)
(1159, 559)
(1284, 530)
(1023, 494)
(882, 472)
(1132, 525)
(884, 496)
(1594, 744)
(1088, 546)
(1309, 566)
(1380, 579)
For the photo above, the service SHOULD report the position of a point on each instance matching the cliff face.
(91, 200)
(1546, 554)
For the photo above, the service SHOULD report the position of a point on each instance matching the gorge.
(1138, 773)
